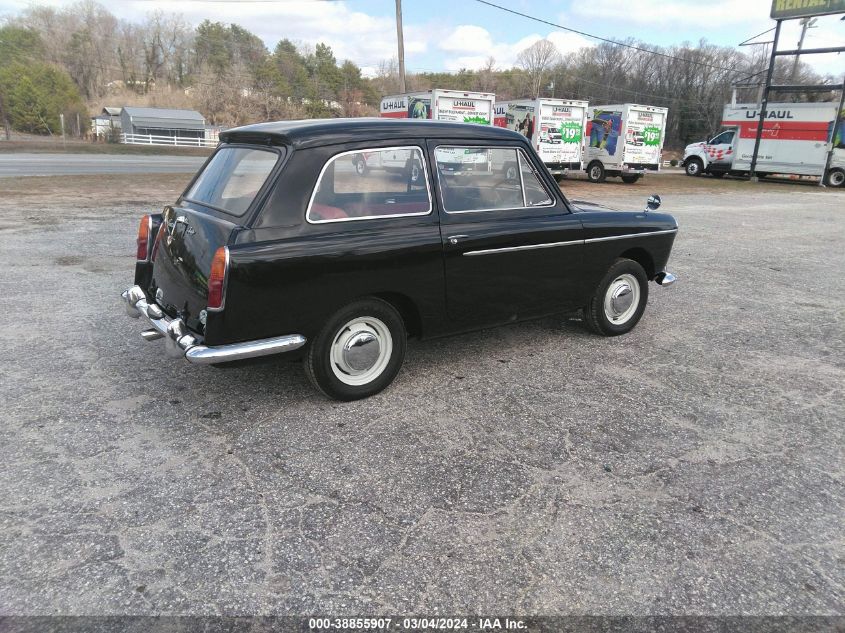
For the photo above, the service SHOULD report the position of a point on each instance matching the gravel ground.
(694, 466)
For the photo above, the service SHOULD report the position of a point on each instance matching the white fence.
(173, 141)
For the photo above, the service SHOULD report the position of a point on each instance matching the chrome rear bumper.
(178, 342)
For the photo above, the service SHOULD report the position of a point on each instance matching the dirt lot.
(694, 466)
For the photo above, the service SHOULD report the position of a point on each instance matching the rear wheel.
(836, 178)
(630, 179)
(595, 172)
(358, 352)
(619, 300)
(694, 167)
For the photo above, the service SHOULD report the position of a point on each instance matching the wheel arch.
(643, 258)
(407, 309)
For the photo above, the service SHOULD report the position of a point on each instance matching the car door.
(720, 150)
(511, 247)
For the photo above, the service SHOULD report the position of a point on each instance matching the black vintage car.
(283, 244)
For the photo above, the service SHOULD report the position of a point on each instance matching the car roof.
(316, 132)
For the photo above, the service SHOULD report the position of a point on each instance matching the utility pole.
(401, 40)
(806, 23)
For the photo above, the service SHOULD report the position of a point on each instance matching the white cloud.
(708, 15)
(469, 46)
(355, 35)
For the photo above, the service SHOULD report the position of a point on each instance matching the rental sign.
(787, 9)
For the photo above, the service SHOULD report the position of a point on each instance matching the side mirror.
(652, 203)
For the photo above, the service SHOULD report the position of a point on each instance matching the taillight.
(142, 254)
(217, 279)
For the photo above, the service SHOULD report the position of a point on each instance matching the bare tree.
(536, 60)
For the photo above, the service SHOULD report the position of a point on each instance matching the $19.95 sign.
(786, 9)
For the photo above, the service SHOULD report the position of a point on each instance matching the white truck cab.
(796, 141)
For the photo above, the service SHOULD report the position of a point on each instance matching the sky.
(451, 34)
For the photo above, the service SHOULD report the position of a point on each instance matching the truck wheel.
(595, 172)
(413, 170)
(358, 352)
(630, 180)
(694, 167)
(360, 166)
(619, 301)
(836, 178)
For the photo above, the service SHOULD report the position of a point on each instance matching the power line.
(603, 39)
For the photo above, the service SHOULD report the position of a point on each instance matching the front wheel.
(595, 172)
(358, 352)
(836, 178)
(361, 167)
(630, 180)
(694, 167)
(619, 300)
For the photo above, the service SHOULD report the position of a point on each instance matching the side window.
(486, 179)
(366, 184)
(725, 138)
(535, 194)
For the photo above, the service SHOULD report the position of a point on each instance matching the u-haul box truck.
(796, 140)
(556, 127)
(624, 140)
(441, 105)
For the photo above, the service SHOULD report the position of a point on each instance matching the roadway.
(14, 165)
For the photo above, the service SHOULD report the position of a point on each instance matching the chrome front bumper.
(179, 343)
(664, 278)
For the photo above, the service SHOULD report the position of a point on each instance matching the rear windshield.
(232, 178)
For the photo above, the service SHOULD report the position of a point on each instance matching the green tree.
(19, 44)
(35, 94)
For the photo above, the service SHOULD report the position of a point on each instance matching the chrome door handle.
(454, 239)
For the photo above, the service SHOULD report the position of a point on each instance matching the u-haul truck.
(624, 140)
(441, 105)
(556, 128)
(796, 140)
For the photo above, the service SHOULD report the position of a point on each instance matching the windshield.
(231, 180)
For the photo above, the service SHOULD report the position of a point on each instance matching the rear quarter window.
(375, 183)
(232, 178)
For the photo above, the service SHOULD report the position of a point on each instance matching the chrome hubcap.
(361, 351)
(837, 178)
(596, 173)
(621, 299)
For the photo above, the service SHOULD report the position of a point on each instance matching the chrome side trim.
(628, 235)
(528, 247)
